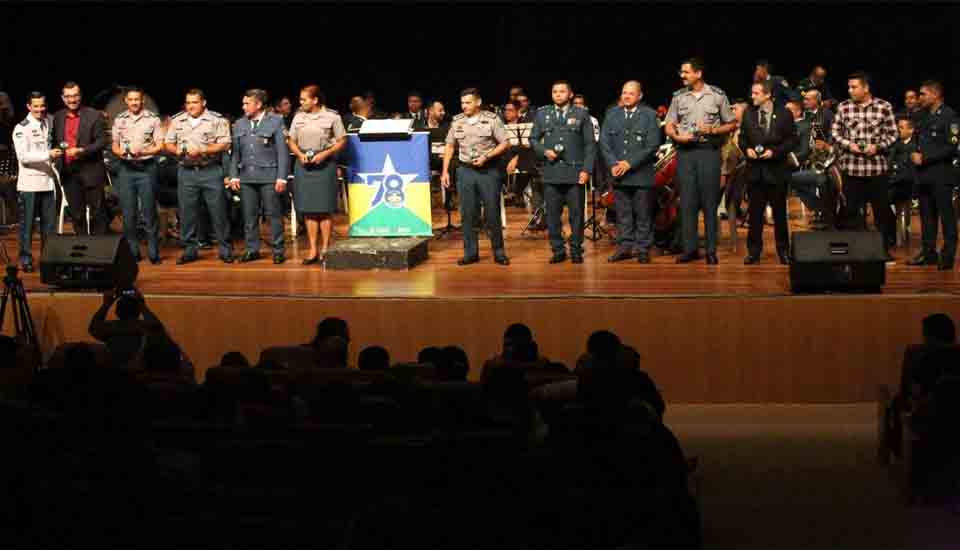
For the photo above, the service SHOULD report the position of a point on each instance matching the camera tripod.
(14, 294)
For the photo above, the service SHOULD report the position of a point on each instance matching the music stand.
(593, 223)
(537, 217)
(437, 144)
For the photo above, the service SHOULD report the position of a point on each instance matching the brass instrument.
(819, 160)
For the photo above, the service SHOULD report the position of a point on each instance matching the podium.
(388, 183)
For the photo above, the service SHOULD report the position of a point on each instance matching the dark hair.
(258, 94)
(604, 345)
(519, 332)
(197, 92)
(933, 85)
(70, 84)
(739, 100)
(430, 354)
(939, 326)
(128, 308)
(904, 118)
(517, 86)
(695, 63)
(765, 64)
(453, 364)
(368, 94)
(332, 352)
(35, 95)
(908, 90)
(136, 89)
(313, 91)
(564, 82)
(580, 96)
(373, 358)
(795, 102)
(331, 326)
(163, 356)
(470, 91)
(414, 93)
(234, 359)
(765, 85)
(863, 77)
(514, 104)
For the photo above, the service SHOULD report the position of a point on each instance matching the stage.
(727, 333)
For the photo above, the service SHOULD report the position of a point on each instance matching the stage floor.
(528, 276)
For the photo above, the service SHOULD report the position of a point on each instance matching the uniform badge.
(571, 121)
(955, 128)
(266, 141)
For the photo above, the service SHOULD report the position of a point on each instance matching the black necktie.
(255, 123)
(763, 121)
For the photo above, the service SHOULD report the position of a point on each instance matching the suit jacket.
(92, 136)
(781, 140)
(635, 140)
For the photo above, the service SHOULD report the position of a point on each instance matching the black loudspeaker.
(99, 262)
(841, 261)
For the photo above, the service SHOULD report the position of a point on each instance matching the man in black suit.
(82, 131)
(767, 136)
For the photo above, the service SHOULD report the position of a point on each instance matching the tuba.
(820, 160)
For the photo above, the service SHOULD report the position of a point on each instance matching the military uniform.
(315, 185)
(569, 133)
(937, 139)
(698, 162)
(633, 136)
(35, 183)
(476, 136)
(201, 179)
(259, 158)
(136, 177)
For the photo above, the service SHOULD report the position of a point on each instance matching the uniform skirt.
(315, 189)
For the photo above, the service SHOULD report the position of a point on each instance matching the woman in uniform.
(316, 136)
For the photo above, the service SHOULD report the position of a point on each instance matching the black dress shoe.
(228, 259)
(502, 260)
(558, 257)
(205, 245)
(311, 261)
(156, 260)
(249, 256)
(576, 258)
(712, 259)
(924, 258)
(751, 259)
(946, 264)
(784, 257)
(186, 259)
(687, 258)
(643, 258)
(138, 259)
(279, 259)
(468, 261)
(619, 255)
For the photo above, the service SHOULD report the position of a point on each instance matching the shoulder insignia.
(125, 114)
(25, 122)
(461, 116)
(331, 111)
(488, 114)
(543, 108)
(178, 115)
(214, 113)
(716, 90)
(679, 92)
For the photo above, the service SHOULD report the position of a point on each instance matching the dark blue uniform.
(635, 138)
(937, 138)
(259, 158)
(569, 133)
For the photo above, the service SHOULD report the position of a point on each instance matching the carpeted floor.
(800, 477)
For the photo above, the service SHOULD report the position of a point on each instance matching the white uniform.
(30, 138)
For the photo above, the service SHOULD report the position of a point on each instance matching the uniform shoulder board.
(543, 107)
(332, 111)
(214, 113)
(488, 114)
(125, 114)
(679, 92)
(25, 122)
(461, 116)
(178, 115)
(150, 113)
(716, 90)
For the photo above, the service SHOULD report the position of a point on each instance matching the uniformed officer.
(937, 138)
(629, 141)
(137, 140)
(258, 170)
(35, 183)
(781, 90)
(199, 137)
(562, 139)
(317, 136)
(480, 137)
(698, 118)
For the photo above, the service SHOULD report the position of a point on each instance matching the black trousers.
(82, 190)
(762, 193)
(571, 195)
(872, 189)
(936, 208)
(634, 207)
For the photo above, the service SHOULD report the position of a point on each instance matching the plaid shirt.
(872, 123)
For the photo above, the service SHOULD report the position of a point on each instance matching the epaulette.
(178, 114)
(461, 116)
(214, 113)
(25, 122)
(488, 114)
(332, 111)
(148, 112)
(124, 114)
(680, 91)
(543, 107)
(716, 90)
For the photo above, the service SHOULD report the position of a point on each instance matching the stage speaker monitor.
(94, 262)
(838, 261)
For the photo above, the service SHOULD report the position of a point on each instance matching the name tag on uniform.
(571, 121)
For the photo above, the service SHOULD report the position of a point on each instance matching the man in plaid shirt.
(864, 129)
